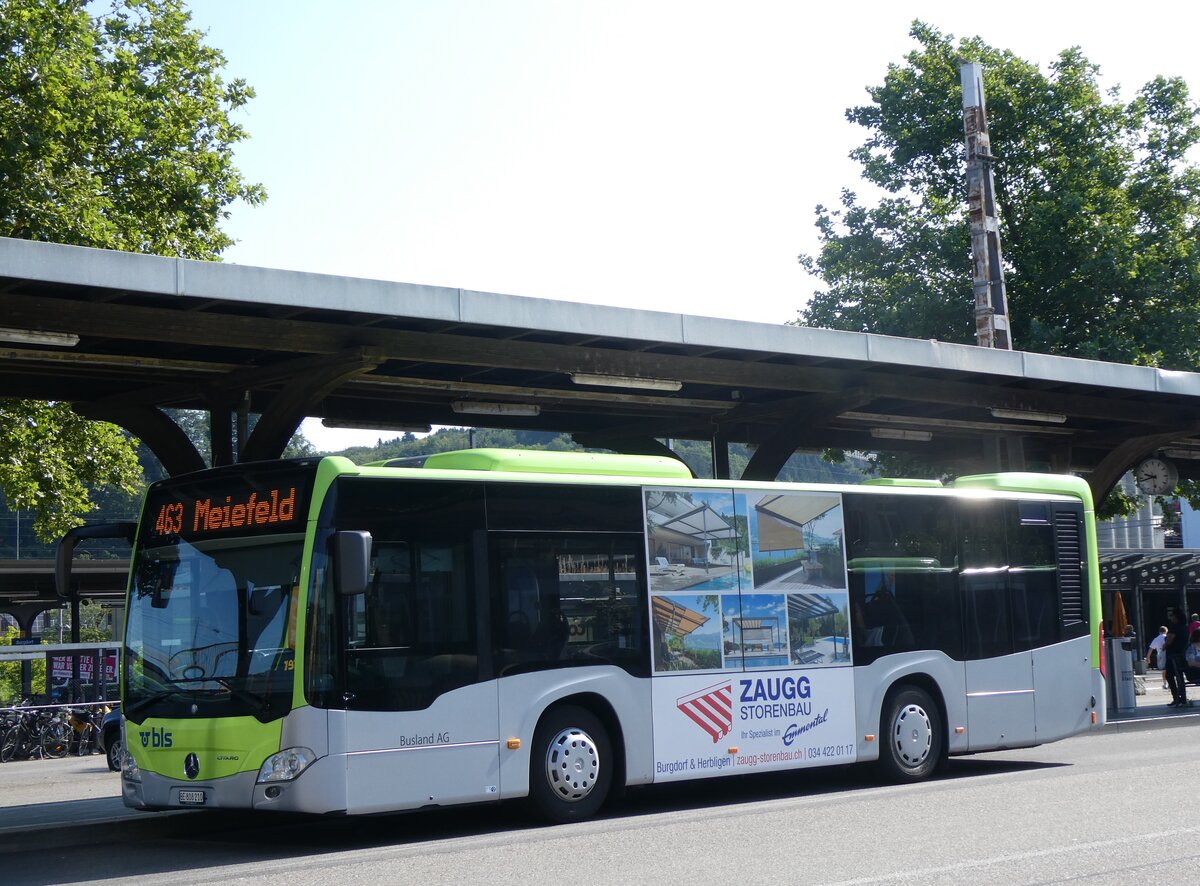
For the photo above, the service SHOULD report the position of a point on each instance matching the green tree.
(50, 456)
(115, 132)
(1098, 210)
(115, 129)
(10, 671)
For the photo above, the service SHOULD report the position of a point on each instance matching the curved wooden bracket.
(153, 427)
(628, 444)
(806, 412)
(278, 422)
(1121, 458)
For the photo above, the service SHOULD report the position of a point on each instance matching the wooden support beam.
(220, 428)
(720, 455)
(153, 427)
(630, 445)
(803, 415)
(278, 422)
(1121, 458)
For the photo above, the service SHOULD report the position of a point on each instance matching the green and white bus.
(317, 636)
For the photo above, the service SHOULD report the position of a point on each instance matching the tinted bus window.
(533, 506)
(412, 636)
(1010, 577)
(988, 620)
(903, 576)
(567, 599)
(1032, 576)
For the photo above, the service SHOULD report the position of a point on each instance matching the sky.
(655, 154)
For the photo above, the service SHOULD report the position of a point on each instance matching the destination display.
(254, 502)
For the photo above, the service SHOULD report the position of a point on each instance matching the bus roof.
(541, 461)
(1024, 481)
(663, 468)
(898, 481)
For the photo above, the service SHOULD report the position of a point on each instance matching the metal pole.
(243, 425)
(720, 456)
(991, 301)
(74, 694)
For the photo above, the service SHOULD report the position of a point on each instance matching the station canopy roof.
(120, 334)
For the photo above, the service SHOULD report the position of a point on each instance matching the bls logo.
(156, 738)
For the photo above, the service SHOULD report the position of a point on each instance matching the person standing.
(1177, 643)
(1191, 657)
(1156, 656)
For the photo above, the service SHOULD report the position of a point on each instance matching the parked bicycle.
(36, 733)
(85, 728)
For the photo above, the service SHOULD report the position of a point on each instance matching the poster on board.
(746, 580)
(750, 617)
(741, 722)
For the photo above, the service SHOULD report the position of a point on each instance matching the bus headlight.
(129, 768)
(286, 765)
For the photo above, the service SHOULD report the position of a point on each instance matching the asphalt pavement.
(73, 791)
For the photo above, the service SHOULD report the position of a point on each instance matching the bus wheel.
(912, 735)
(571, 767)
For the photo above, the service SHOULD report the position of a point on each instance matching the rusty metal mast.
(991, 301)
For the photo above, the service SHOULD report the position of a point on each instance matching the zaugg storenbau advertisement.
(750, 620)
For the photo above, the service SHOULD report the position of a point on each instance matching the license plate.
(192, 798)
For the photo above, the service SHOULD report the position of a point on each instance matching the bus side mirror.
(352, 555)
(64, 549)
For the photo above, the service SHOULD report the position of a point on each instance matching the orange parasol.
(1120, 621)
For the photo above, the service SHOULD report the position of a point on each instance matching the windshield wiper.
(245, 695)
(177, 688)
(251, 698)
(131, 709)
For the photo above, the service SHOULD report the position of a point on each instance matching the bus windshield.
(212, 628)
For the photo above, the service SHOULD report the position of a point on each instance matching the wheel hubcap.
(913, 735)
(572, 764)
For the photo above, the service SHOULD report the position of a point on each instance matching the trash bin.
(1120, 663)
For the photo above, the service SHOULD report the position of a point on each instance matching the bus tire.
(571, 765)
(913, 737)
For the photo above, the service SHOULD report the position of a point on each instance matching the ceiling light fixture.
(479, 407)
(1056, 418)
(625, 381)
(900, 434)
(1181, 453)
(37, 337)
(399, 428)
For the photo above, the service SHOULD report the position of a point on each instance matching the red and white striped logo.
(711, 709)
